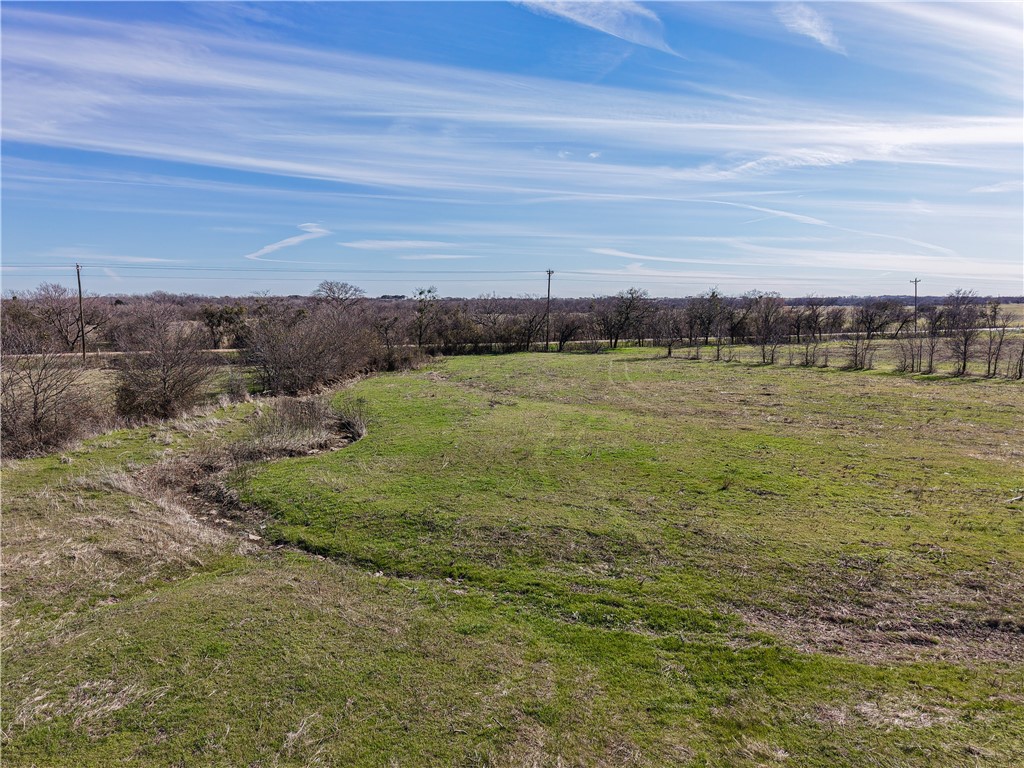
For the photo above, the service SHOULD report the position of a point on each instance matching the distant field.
(1015, 312)
(532, 560)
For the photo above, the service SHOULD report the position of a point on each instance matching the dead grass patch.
(86, 704)
(888, 713)
(886, 624)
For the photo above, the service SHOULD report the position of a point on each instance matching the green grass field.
(533, 560)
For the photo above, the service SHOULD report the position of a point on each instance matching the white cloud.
(436, 257)
(96, 105)
(717, 260)
(885, 261)
(86, 254)
(617, 252)
(804, 20)
(312, 231)
(1003, 186)
(394, 245)
(625, 20)
(977, 45)
(397, 130)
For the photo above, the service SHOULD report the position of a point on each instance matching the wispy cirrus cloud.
(804, 20)
(1002, 186)
(395, 245)
(617, 252)
(975, 45)
(437, 257)
(623, 19)
(86, 254)
(96, 105)
(312, 231)
(376, 130)
(835, 257)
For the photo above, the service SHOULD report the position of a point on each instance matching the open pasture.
(614, 559)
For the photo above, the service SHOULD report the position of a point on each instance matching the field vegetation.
(166, 349)
(532, 559)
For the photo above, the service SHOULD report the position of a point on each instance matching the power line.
(332, 269)
(275, 278)
(253, 274)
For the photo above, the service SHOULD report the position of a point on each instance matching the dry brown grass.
(112, 526)
(968, 620)
(86, 703)
(887, 713)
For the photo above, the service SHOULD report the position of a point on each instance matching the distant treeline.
(166, 345)
(49, 318)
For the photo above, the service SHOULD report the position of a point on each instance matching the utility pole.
(81, 313)
(915, 281)
(547, 316)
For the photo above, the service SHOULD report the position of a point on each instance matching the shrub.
(164, 369)
(295, 425)
(298, 350)
(45, 404)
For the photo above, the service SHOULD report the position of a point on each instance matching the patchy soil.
(962, 621)
(197, 481)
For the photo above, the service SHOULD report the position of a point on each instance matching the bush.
(291, 426)
(396, 358)
(299, 350)
(164, 369)
(45, 404)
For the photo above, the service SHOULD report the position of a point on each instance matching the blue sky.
(219, 148)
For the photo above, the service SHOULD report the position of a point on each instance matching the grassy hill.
(613, 559)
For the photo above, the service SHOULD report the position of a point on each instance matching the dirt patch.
(890, 713)
(946, 623)
(195, 485)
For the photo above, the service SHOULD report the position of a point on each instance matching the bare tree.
(567, 326)
(768, 323)
(691, 317)
(834, 321)
(22, 331)
(934, 319)
(809, 318)
(386, 322)
(290, 352)
(869, 320)
(708, 306)
(720, 320)
(530, 319)
(165, 365)
(737, 317)
(962, 327)
(58, 309)
(455, 330)
(44, 400)
(54, 312)
(996, 322)
(623, 313)
(337, 294)
(669, 327)
(426, 314)
(1015, 367)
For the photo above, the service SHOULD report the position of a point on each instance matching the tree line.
(168, 345)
